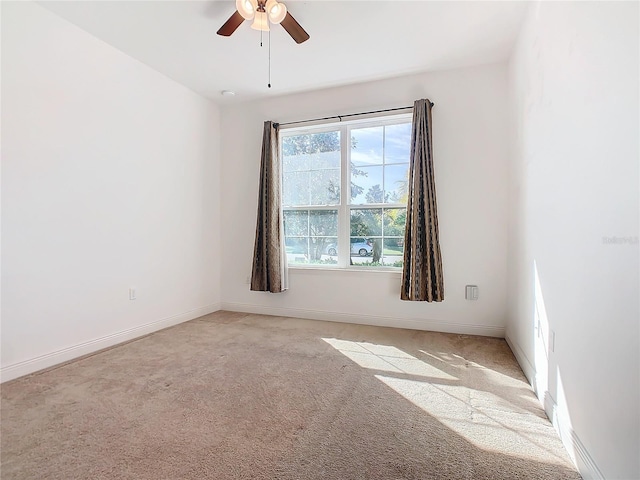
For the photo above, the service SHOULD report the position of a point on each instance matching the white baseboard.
(523, 361)
(32, 365)
(373, 320)
(572, 444)
(576, 449)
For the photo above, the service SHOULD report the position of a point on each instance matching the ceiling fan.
(262, 12)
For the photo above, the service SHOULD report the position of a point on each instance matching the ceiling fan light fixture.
(276, 11)
(262, 13)
(246, 8)
(260, 22)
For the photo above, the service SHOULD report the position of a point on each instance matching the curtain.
(269, 272)
(422, 278)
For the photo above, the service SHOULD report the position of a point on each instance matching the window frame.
(344, 206)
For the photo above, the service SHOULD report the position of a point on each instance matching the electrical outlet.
(471, 292)
(552, 340)
(132, 293)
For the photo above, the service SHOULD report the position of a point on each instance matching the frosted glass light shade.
(276, 11)
(260, 22)
(246, 8)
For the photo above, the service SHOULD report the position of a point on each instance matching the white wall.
(470, 152)
(109, 180)
(574, 186)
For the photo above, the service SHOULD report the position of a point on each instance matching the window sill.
(350, 270)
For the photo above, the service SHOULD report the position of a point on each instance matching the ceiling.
(351, 41)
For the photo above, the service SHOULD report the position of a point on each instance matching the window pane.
(296, 223)
(393, 252)
(296, 246)
(324, 187)
(323, 228)
(366, 146)
(361, 250)
(366, 222)
(297, 149)
(295, 189)
(396, 179)
(309, 235)
(311, 169)
(366, 183)
(397, 143)
(323, 223)
(294, 163)
(394, 221)
(323, 250)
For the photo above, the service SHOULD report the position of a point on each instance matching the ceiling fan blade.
(294, 29)
(231, 25)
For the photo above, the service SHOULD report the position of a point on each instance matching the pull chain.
(269, 74)
(269, 84)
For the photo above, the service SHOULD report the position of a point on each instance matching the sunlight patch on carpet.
(501, 429)
(386, 358)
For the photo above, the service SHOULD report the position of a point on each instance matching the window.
(344, 192)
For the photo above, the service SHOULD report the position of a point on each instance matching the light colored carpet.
(237, 396)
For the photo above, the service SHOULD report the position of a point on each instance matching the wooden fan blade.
(231, 25)
(294, 29)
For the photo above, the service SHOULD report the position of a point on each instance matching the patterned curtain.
(269, 273)
(422, 278)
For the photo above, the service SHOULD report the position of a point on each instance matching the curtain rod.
(340, 117)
